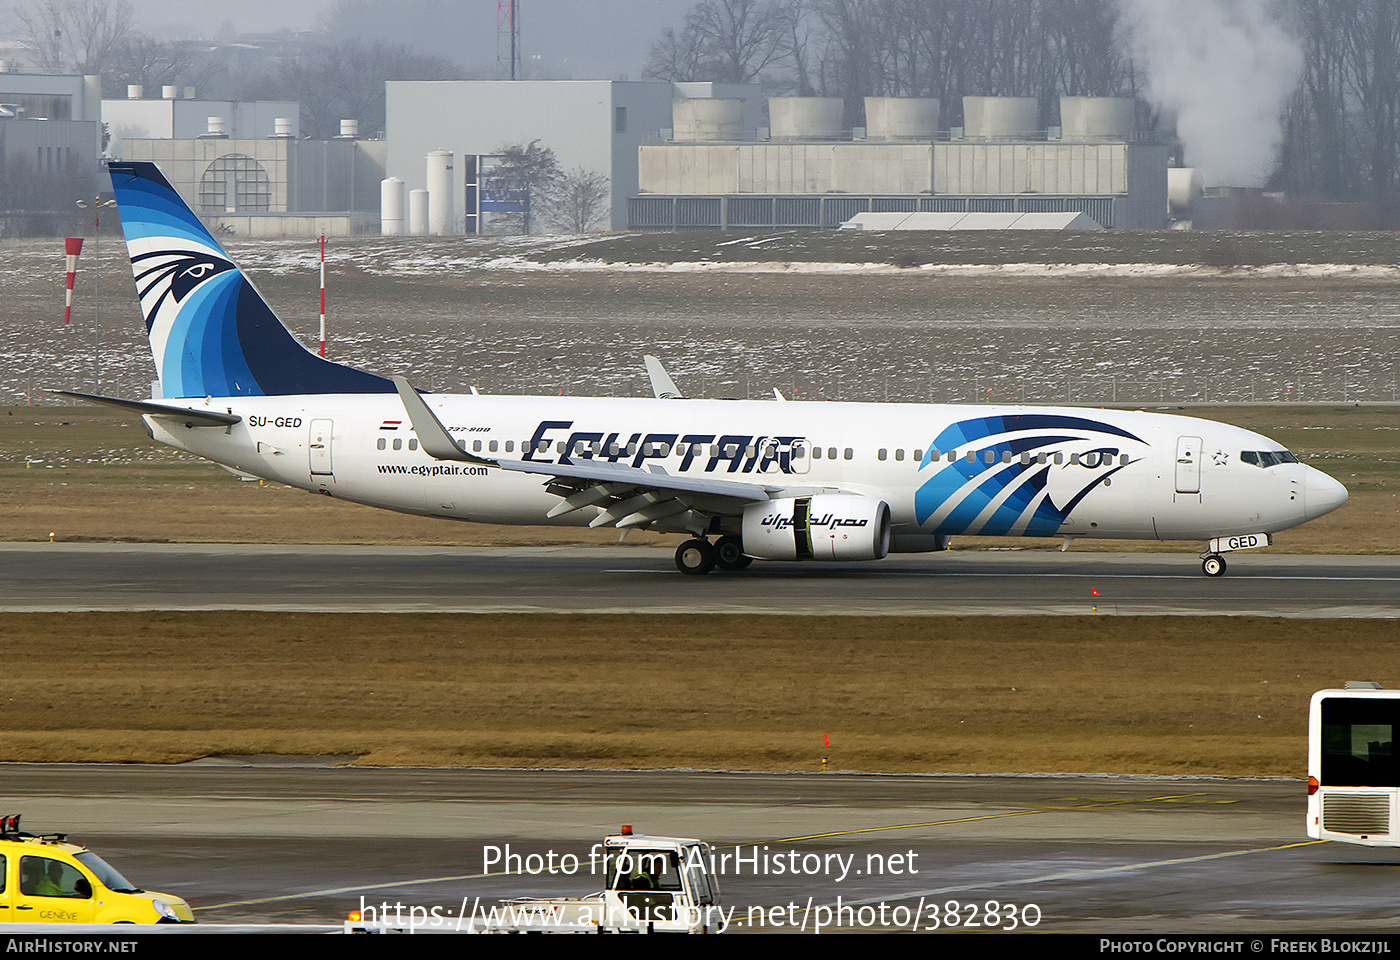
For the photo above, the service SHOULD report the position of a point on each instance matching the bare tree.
(579, 201)
(526, 173)
(727, 41)
(153, 63)
(78, 35)
(346, 81)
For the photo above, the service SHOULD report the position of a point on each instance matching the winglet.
(661, 383)
(432, 435)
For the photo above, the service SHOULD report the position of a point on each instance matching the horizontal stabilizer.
(191, 418)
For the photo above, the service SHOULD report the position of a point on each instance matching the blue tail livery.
(211, 332)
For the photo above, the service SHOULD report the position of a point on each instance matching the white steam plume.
(1226, 68)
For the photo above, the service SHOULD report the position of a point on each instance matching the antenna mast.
(508, 37)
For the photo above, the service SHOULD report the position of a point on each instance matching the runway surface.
(622, 579)
(290, 841)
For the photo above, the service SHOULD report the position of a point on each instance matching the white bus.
(1353, 777)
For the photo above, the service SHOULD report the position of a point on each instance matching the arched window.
(235, 183)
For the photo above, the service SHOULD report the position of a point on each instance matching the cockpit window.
(1267, 458)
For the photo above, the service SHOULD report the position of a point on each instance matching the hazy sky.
(583, 39)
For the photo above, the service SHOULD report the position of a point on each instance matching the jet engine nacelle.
(826, 527)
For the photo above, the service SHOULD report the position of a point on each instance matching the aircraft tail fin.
(211, 332)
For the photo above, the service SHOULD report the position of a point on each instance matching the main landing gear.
(1213, 565)
(698, 556)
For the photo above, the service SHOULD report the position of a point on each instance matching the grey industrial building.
(50, 137)
(596, 125)
(805, 171)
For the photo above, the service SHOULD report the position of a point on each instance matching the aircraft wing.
(629, 496)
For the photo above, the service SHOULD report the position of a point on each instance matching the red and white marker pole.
(72, 246)
(323, 295)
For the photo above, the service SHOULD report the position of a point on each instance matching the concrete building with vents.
(273, 186)
(177, 115)
(806, 171)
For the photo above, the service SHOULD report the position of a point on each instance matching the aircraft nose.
(1321, 494)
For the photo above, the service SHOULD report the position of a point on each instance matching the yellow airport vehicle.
(45, 879)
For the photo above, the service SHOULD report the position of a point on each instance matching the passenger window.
(4, 872)
(1059, 458)
(476, 446)
(898, 453)
(510, 446)
(398, 443)
(382, 444)
(816, 453)
(492, 445)
(413, 444)
(882, 453)
(1074, 459)
(1123, 460)
(849, 453)
(831, 453)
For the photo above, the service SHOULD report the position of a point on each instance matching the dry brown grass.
(1130, 695)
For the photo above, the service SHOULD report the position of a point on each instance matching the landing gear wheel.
(695, 557)
(1213, 565)
(729, 554)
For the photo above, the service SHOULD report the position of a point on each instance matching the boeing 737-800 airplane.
(745, 479)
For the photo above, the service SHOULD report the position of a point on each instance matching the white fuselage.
(1096, 473)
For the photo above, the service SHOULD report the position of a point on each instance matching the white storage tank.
(1096, 118)
(418, 212)
(805, 118)
(1001, 118)
(282, 127)
(169, 92)
(440, 193)
(349, 129)
(700, 119)
(134, 91)
(901, 118)
(391, 207)
(1184, 187)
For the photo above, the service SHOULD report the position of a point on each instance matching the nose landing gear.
(1213, 565)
